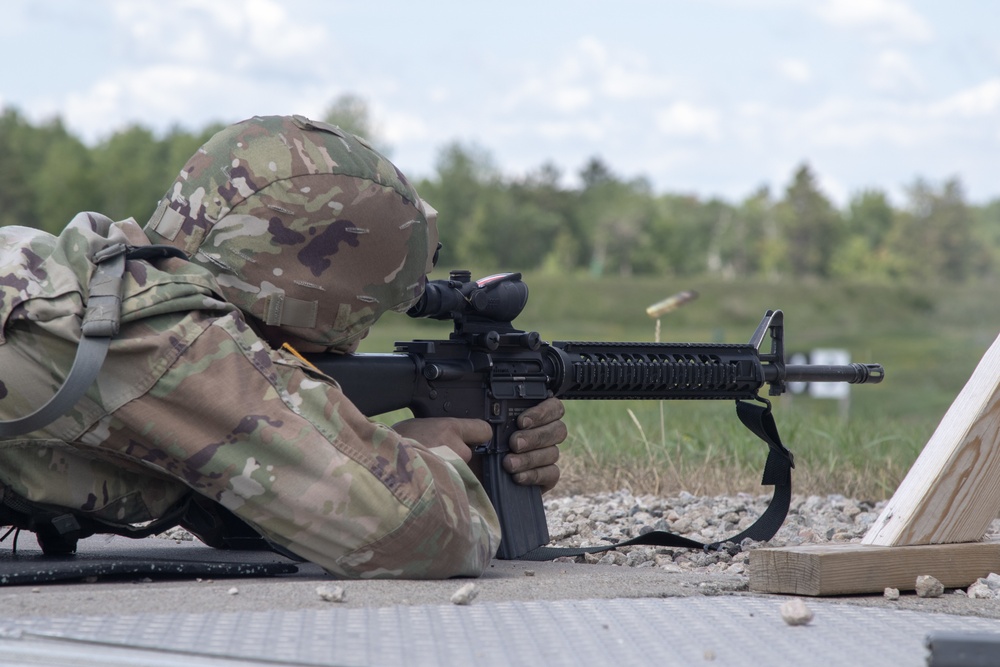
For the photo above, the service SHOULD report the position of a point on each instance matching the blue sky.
(710, 97)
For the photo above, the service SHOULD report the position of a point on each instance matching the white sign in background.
(798, 359)
(830, 357)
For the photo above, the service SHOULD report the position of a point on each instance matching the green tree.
(678, 239)
(66, 182)
(19, 158)
(863, 251)
(549, 220)
(986, 234)
(744, 239)
(133, 173)
(46, 174)
(809, 225)
(615, 215)
(933, 238)
(466, 178)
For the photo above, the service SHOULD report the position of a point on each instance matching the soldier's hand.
(535, 448)
(458, 435)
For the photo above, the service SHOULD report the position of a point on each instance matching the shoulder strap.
(100, 324)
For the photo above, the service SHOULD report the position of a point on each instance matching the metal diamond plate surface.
(724, 630)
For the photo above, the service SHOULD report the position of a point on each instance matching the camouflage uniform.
(192, 398)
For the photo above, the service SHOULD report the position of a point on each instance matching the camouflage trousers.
(197, 402)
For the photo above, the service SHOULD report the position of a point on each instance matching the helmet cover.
(304, 225)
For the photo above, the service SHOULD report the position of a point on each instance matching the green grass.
(929, 337)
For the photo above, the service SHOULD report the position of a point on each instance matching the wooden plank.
(951, 493)
(850, 569)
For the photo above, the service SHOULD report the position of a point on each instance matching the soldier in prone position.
(292, 233)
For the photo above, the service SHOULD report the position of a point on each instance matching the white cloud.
(843, 123)
(204, 61)
(590, 72)
(859, 142)
(795, 70)
(236, 33)
(583, 128)
(893, 72)
(978, 101)
(400, 125)
(570, 98)
(622, 75)
(859, 132)
(880, 19)
(683, 119)
(160, 96)
(439, 95)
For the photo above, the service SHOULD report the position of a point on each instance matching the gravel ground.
(590, 519)
(584, 520)
(598, 519)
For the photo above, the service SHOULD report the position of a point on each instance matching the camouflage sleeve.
(288, 453)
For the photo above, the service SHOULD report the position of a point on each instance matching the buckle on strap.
(104, 301)
(101, 322)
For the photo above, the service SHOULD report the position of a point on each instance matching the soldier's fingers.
(459, 435)
(474, 431)
(549, 410)
(547, 435)
(535, 459)
(546, 477)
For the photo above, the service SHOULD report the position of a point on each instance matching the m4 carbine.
(487, 369)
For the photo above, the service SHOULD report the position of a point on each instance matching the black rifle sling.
(777, 472)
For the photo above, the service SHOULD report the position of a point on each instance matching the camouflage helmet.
(304, 225)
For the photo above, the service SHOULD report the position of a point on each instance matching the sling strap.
(777, 472)
(101, 322)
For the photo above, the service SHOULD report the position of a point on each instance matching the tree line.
(606, 224)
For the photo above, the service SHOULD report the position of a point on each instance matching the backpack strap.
(101, 322)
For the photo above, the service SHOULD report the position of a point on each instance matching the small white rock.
(465, 594)
(980, 590)
(929, 587)
(795, 612)
(330, 593)
(891, 593)
(233, 591)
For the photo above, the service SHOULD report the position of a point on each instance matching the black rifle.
(489, 370)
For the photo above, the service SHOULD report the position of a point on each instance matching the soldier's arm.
(287, 452)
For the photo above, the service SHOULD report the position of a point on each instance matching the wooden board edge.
(855, 569)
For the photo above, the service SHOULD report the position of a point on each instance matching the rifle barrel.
(852, 373)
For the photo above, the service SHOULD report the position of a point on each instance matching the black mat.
(115, 558)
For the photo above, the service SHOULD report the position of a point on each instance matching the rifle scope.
(497, 298)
